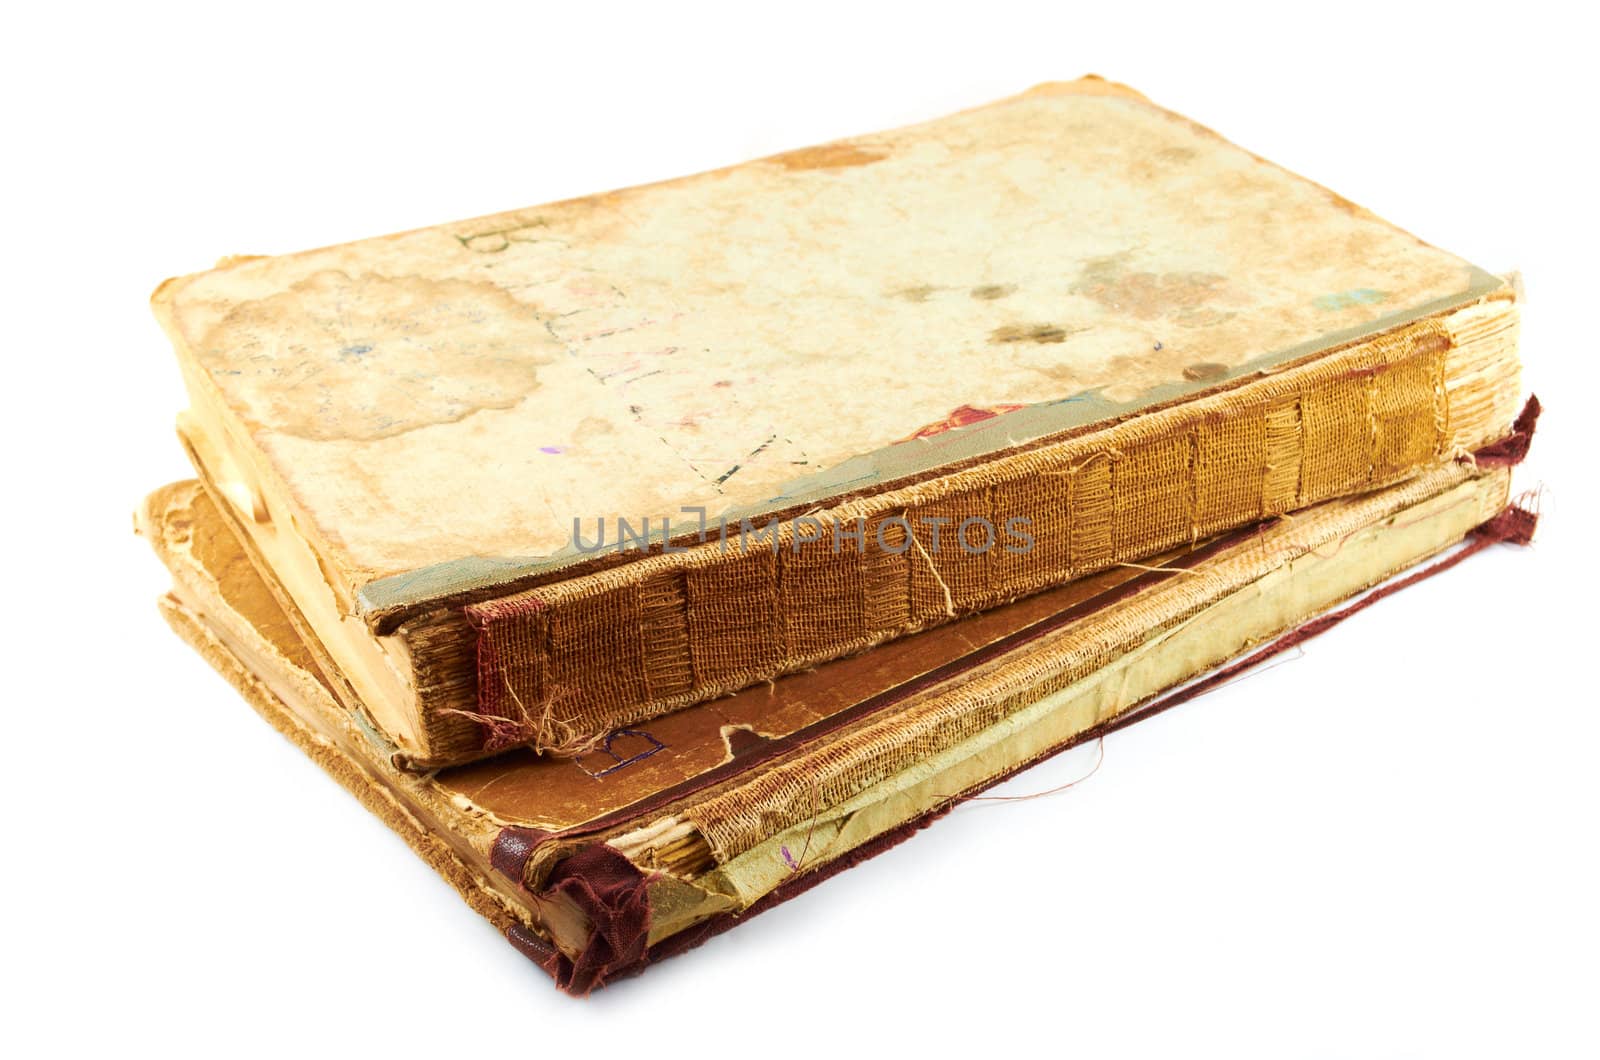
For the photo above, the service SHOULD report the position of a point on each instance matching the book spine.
(561, 666)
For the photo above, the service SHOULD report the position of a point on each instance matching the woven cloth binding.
(561, 665)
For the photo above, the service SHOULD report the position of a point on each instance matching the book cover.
(495, 462)
(599, 865)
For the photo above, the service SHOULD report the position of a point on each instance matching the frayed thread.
(1514, 525)
(545, 734)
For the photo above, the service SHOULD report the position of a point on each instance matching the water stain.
(830, 156)
(1204, 371)
(1186, 298)
(368, 357)
(991, 292)
(1040, 333)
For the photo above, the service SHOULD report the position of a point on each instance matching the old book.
(537, 476)
(597, 865)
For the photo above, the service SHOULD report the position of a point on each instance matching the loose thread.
(504, 732)
(1514, 525)
(1338, 545)
(795, 863)
(949, 601)
(1099, 761)
(1162, 570)
(1103, 454)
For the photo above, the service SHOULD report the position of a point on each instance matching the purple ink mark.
(553, 450)
(618, 761)
(788, 859)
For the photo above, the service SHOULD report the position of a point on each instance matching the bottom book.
(598, 865)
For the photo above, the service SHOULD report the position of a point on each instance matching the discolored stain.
(1430, 343)
(1154, 166)
(1040, 333)
(830, 156)
(916, 294)
(500, 238)
(1359, 296)
(365, 357)
(1204, 371)
(961, 416)
(1351, 208)
(740, 740)
(1190, 299)
(990, 292)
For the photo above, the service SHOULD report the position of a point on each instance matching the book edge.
(385, 599)
(369, 791)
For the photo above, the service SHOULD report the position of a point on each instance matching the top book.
(1079, 325)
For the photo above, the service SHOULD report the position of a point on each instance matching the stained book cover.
(597, 865)
(1071, 308)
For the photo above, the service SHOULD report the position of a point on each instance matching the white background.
(1384, 847)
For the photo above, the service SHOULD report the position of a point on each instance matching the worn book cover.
(536, 476)
(597, 865)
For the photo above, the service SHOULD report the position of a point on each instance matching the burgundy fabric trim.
(615, 897)
(1510, 450)
(536, 949)
(611, 893)
(512, 848)
(693, 936)
(501, 730)
(601, 883)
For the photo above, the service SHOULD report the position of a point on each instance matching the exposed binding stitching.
(1130, 495)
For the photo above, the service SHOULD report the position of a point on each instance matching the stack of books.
(645, 558)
